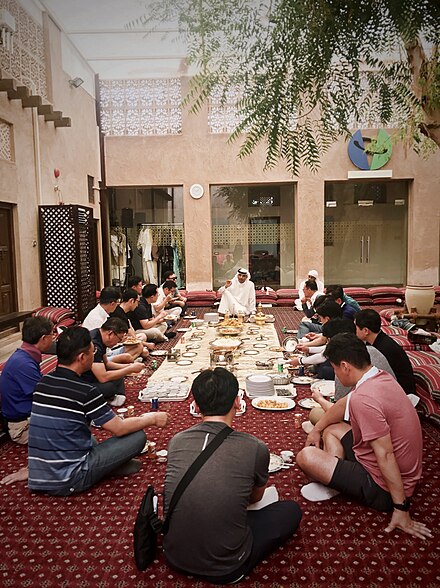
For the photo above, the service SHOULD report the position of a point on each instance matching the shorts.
(350, 477)
(19, 431)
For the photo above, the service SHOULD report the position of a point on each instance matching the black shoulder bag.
(148, 524)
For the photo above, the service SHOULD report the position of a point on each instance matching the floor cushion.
(361, 295)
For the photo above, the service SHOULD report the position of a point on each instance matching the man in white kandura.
(238, 294)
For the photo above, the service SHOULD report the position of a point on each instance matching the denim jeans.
(104, 458)
(308, 327)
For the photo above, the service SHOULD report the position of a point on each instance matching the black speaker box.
(127, 218)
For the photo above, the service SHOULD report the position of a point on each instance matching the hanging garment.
(149, 265)
(118, 246)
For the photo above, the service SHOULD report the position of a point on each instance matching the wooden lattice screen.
(67, 257)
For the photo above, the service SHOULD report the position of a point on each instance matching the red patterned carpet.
(86, 540)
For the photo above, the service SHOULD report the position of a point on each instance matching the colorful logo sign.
(368, 153)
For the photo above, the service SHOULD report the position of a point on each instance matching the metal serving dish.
(226, 343)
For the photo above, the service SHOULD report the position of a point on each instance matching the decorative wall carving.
(26, 63)
(223, 116)
(141, 107)
(6, 145)
(256, 233)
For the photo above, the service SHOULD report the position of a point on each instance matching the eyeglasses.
(120, 337)
(172, 278)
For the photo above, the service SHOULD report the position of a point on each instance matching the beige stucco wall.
(40, 147)
(196, 156)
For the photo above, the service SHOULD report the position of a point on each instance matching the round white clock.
(196, 191)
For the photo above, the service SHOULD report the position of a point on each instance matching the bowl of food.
(226, 343)
(229, 331)
(280, 379)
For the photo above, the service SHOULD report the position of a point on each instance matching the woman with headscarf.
(312, 275)
(238, 294)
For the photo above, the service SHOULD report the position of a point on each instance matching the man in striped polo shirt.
(64, 458)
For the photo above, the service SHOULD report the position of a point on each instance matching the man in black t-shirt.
(129, 303)
(368, 329)
(143, 320)
(105, 374)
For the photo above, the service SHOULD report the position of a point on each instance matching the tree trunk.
(418, 62)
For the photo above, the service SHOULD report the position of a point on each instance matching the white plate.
(189, 354)
(183, 330)
(290, 403)
(324, 387)
(257, 379)
(290, 344)
(275, 463)
(308, 403)
(304, 380)
(193, 346)
(178, 379)
(159, 352)
(260, 345)
(250, 352)
(184, 362)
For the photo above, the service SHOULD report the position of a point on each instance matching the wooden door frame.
(10, 208)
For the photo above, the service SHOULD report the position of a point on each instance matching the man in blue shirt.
(349, 306)
(21, 374)
(64, 458)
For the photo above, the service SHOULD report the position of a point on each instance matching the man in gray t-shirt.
(212, 535)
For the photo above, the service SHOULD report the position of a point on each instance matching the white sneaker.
(316, 492)
(307, 427)
(117, 400)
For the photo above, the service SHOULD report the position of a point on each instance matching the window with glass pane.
(149, 221)
(252, 227)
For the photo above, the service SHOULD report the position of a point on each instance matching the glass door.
(252, 227)
(365, 236)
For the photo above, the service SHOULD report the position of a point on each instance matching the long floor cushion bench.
(378, 295)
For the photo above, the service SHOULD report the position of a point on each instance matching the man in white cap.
(238, 294)
(312, 275)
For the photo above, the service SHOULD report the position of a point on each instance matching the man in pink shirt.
(372, 439)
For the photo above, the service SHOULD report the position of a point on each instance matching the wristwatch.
(403, 506)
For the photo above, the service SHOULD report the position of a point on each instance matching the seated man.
(368, 329)
(349, 306)
(64, 458)
(226, 541)
(104, 374)
(378, 459)
(326, 311)
(21, 374)
(164, 299)
(129, 303)
(136, 283)
(238, 294)
(329, 330)
(143, 320)
(108, 302)
(312, 276)
(178, 299)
